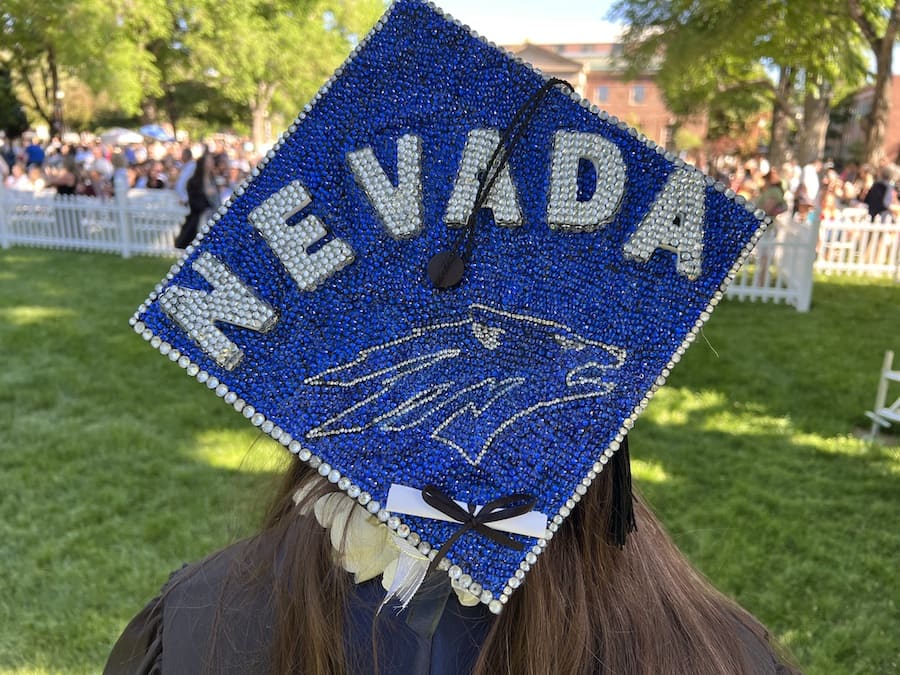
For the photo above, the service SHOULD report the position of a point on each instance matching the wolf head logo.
(465, 382)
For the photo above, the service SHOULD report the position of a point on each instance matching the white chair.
(884, 415)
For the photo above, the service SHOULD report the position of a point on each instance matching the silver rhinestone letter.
(502, 199)
(565, 212)
(674, 223)
(399, 208)
(290, 242)
(230, 301)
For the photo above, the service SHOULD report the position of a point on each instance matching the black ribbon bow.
(497, 509)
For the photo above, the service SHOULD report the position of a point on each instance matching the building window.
(638, 94)
(602, 94)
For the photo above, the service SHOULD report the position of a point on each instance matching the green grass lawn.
(116, 467)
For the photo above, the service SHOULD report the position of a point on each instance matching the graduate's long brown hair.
(585, 607)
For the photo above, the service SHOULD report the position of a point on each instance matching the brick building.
(596, 72)
(845, 134)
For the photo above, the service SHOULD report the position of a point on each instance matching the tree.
(276, 53)
(715, 54)
(44, 41)
(878, 21)
(12, 118)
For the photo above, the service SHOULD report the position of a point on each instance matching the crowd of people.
(94, 168)
(817, 184)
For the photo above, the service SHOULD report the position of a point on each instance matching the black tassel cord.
(621, 517)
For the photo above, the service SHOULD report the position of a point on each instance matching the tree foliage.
(721, 57)
(879, 22)
(178, 58)
(43, 42)
(275, 53)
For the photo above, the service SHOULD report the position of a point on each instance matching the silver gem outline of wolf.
(513, 337)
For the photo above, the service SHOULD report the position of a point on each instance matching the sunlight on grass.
(25, 315)
(850, 446)
(648, 472)
(247, 450)
(712, 411)
(675, 406)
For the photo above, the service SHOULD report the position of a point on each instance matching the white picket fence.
(854, 244)
(143, 222)
(779, 270)
(782, 266)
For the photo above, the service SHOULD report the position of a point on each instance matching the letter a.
(502, 200)
(674, 223)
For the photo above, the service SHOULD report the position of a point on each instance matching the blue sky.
(514, 21)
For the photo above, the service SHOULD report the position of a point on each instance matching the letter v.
(400, 207)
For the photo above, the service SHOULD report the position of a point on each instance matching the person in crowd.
(36, 177)
(748, 188)
(772, 201)
(120, 178)
(34, 154)
(864, 181)
(65, 179)
(141, 175)
(94, 185)
(831, 194)
(771, 198)
(807, 189)
(881, 195)
(188, 166)
(18, 178)
(157, 177)
(202, 195)
(100, 161)
(8, 153)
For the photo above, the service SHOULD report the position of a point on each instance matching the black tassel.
(621, 516)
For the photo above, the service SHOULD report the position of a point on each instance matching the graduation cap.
(451, 287)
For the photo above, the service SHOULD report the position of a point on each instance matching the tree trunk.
(778, 142)
(259, 108)
(171, 110)
(816, 107)
(149, 113)
(57, 125)
(875, 123)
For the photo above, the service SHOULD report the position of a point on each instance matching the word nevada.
(674, 222)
